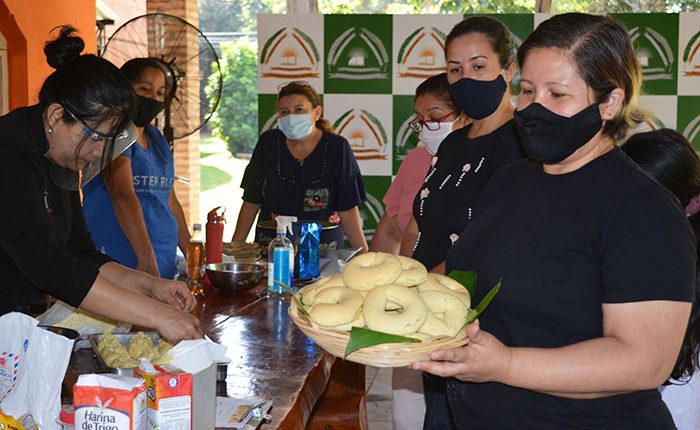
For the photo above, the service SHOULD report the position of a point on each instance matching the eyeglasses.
(417, 124)
(90, 132)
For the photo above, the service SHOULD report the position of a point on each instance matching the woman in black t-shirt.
(479, 55)
(46, 150)
(597, 260)
(303, 169)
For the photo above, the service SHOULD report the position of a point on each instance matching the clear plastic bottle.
(281, 258)
(195, 260)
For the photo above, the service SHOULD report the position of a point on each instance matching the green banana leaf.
(468, 279)
(300, 306)
(473, 314)
(364, 337)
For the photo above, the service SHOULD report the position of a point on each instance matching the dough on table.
(114, 354)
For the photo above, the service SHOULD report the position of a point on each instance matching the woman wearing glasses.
(45, 247)
(303, 169)
(436, 117)
(132, 211)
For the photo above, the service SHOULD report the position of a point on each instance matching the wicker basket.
(385, 355)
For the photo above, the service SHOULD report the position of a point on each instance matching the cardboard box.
(179, 400)
(169, 397)
(108, 401)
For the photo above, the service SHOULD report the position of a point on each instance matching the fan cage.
(186, 52)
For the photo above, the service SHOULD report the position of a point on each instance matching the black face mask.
(478, 99)
(146, 110)
(550, 138)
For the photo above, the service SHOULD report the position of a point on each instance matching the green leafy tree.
(235, 15)
(643, 6)
(353, 6)
(236, 119)
(503, 6)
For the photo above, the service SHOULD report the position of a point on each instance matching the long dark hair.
(602, 51)
(670, 159)
(133, 69)
(88, 88)
(495, 31)
(305, 89)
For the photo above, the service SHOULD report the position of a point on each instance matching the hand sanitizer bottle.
(281, 258)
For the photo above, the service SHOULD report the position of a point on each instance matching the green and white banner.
(366, 67)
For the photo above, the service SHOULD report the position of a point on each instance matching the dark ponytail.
(65, 49)
(668, 157)
(89, 88)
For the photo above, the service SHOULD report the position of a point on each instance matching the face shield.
(71, 180)
(119, 144)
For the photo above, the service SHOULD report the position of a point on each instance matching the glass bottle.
(195, 260)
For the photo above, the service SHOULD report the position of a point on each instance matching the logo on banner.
(270, 123)
(366, 135)
(692, 131)
(649, 124)
(290, 53)
(406, 140)
(422, 54)
(358, 54)
(371, 211)
(654, 53)
(691, 59)
(655, 123)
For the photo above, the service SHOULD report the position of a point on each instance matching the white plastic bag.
(40, 368)
(16, 330)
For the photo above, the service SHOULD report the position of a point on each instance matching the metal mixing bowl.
(235, 276)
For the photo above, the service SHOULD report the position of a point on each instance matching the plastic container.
(215, 235)
(281, 258)
(308, 252)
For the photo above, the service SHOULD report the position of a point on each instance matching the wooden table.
(272, 359)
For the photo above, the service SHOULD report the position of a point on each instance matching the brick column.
(186, 148)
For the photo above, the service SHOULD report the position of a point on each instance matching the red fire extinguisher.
(215, 235)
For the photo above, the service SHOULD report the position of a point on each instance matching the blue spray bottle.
(281, 258)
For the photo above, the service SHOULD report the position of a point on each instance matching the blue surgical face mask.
(478, 99)
(296, 126)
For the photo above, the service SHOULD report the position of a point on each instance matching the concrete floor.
(378, 383)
